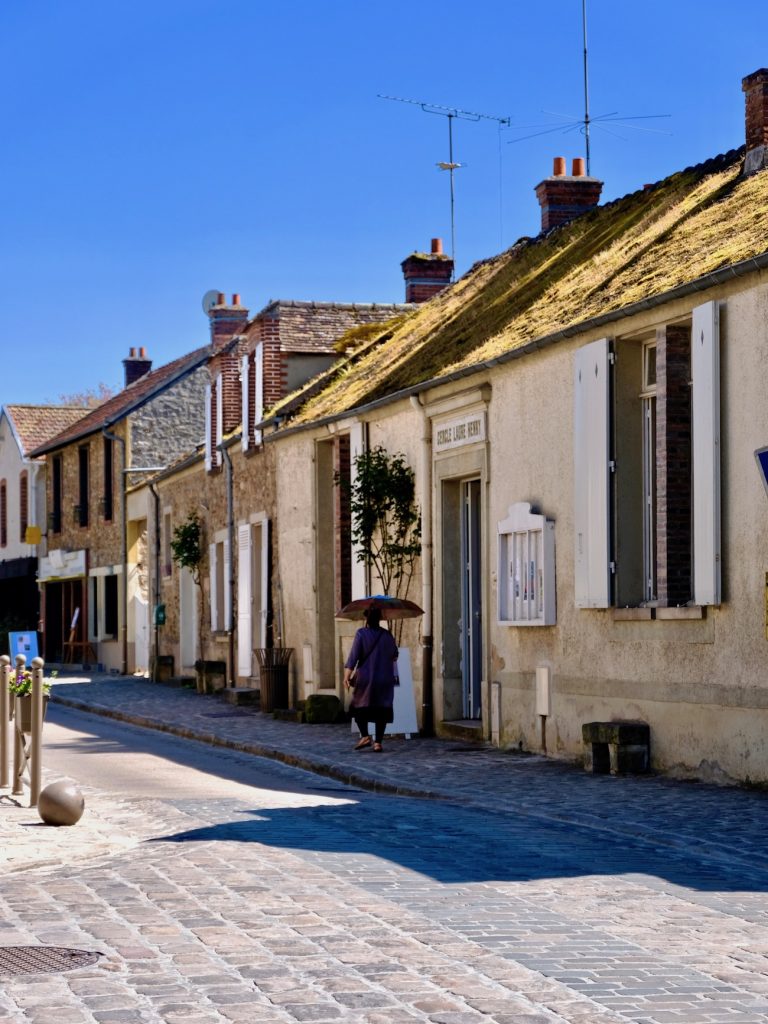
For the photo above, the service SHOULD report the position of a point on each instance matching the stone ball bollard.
(61, 803)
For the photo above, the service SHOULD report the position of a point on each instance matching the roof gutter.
(717, 277)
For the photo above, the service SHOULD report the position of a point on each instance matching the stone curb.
(366, 782)
(294, 760)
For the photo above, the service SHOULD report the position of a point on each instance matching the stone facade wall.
(205, 493)
(170, 424)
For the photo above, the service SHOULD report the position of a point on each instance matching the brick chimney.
(136, 365)
(756, 114)
(227, 320)
(565, 196)
(427, 273)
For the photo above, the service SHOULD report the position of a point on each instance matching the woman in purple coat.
(374, 651)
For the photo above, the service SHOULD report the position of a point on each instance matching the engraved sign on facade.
(461, 430)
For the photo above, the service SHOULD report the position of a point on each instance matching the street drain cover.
(43, 959)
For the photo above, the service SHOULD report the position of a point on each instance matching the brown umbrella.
(390, 608)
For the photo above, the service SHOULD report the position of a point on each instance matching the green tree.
(188, 551)
(386, 524)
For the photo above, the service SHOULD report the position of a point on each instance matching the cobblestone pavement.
(523, 891)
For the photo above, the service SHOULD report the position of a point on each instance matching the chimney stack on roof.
(427, 273)
(136, 365)
(755, 86)
(227, 319)
(565, 196)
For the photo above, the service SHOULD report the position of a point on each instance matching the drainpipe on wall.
(231, 681)
(123, 551)
(425, 498)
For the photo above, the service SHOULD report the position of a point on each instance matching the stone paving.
(522, 891)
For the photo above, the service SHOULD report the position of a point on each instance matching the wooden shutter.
(219, 417)
(258, 403)
(208, 427)
(705, 371)
(591, 434)
(227, 586)
(213, 588)
(244, 405)
(244, 631)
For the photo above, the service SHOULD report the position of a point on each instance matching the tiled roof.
(127, 400)
(315, 326)
(633, 250)
(36, 424)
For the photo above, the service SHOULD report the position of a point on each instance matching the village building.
(23, 513)
(94, 577)
(583, 414)
(228, 482)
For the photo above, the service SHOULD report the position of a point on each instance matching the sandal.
(363, 742)
(377, 747)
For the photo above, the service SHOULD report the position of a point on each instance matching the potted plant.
(20, 689)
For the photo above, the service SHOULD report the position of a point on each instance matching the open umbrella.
(390, 608)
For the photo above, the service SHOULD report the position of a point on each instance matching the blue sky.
(155, 150)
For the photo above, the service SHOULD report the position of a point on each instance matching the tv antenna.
(450, 164)
(584, 123)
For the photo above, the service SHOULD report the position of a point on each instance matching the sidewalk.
(712, 823)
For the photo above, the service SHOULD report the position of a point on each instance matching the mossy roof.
(691, 224)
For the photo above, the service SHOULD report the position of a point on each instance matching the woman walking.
(374, 656)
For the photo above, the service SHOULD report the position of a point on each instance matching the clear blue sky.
(154, 150)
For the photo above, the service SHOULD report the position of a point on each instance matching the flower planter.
(21, 711)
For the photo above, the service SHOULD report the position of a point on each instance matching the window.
(107, 498)
(104, 603)
(167, 549)
(110, 606)
(82, 492)
(220, 597)
(23, 506)
(57, 494)
(648, 412)
(3, 514)
(646, 453)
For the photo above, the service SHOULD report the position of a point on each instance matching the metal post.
(36, 741)
(5, 678)
(18, 736)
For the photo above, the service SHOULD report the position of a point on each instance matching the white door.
(259, 583)
(188, 621)
(141, 634)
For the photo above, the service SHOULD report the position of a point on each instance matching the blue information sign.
(23, 643)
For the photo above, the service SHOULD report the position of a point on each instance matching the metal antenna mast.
(450, 165)
(586, 82)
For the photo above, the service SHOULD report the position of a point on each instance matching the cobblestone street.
(536, 893)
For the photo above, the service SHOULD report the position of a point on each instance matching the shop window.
(526, 578)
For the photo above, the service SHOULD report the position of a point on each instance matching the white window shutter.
(208, 460)
(244, 632)
(705, 371)
(227, 586)
(591, 434)
(264, 582)
(258, 404)
(213, 587)
(219, 416)
(244, 402)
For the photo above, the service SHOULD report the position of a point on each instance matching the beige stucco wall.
(699, 682)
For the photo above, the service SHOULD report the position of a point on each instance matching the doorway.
(188, 627)
(471, 600)
(462, 574)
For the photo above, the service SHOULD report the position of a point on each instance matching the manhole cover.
(43, 959)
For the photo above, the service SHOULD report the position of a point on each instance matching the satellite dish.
(210, 299)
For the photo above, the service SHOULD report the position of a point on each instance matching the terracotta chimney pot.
(437, 246)
(559, 166)
(578, 167)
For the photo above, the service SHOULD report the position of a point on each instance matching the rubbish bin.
(273, 676)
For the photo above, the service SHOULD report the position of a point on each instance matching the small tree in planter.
(188, 551)
(386, 524)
